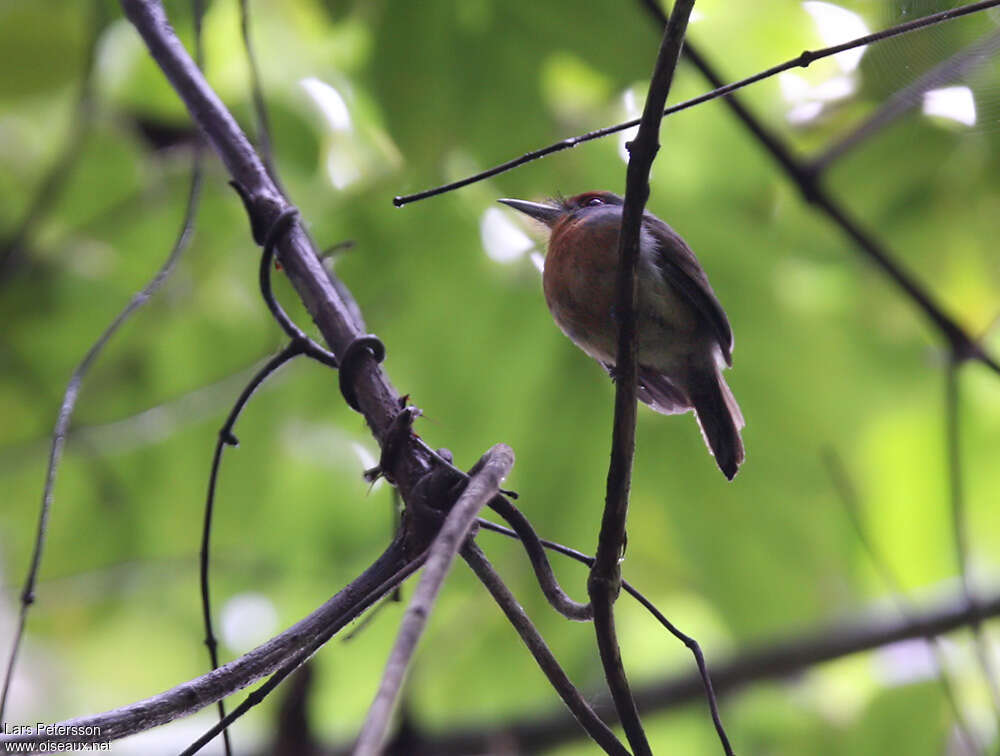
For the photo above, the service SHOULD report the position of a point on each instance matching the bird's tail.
(720, 419)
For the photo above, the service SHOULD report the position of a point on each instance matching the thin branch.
(68, 406)
(801, 61)
(196, 694)
(599, 732)
(484, 484)
(849, 498)
(605, 576)
(778, 660)
(960, 525)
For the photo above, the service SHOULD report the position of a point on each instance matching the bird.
(684, 337)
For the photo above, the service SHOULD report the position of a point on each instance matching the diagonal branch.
(484, 484)
(310, 646)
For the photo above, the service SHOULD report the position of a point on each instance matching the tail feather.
(720, 420)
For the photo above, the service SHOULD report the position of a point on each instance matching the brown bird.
(684, 337)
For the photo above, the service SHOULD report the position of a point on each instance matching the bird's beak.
(547, 214)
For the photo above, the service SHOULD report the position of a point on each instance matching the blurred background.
(841, 378)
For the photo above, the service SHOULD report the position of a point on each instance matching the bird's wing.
(681, 270)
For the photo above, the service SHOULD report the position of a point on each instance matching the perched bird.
(684, 338)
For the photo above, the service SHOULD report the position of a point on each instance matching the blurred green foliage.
(829, 356)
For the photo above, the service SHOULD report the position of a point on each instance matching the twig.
(599, 732)
(605, 576)
(801, 61)
(196, 694)
(226, 438)
(484, 483)
(68, 406)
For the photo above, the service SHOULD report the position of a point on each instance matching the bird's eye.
(593, 201)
